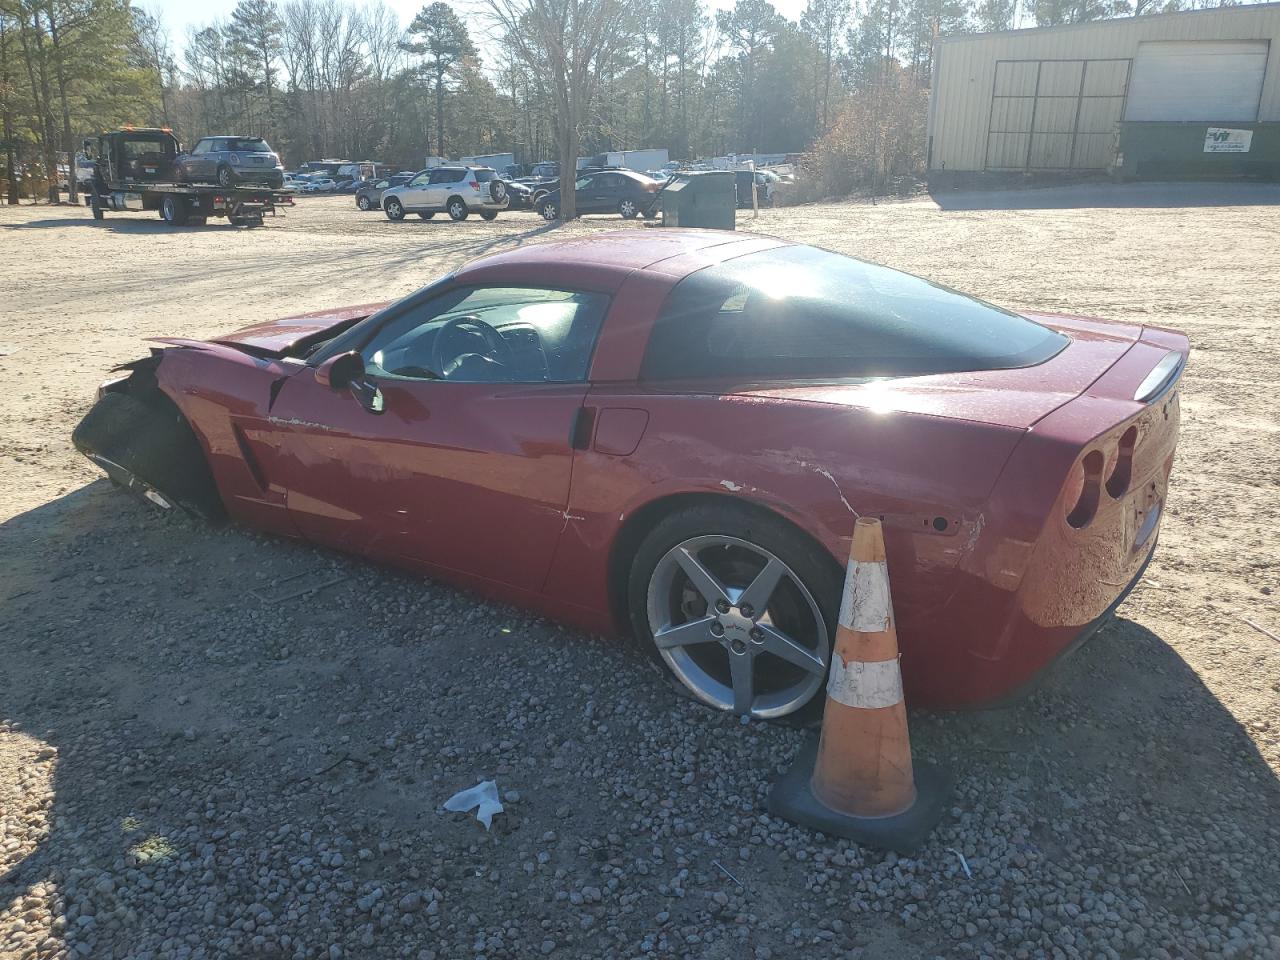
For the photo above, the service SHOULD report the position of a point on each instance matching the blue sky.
(180, 14)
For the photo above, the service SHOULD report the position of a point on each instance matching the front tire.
(740, 606)
(458, 209)
(363, 203)
(426, 214)
(489, 214)
(394, 209)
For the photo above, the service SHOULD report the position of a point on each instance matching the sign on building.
(1226, 140)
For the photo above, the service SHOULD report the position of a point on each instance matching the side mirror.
(346, 370)
(340, 370)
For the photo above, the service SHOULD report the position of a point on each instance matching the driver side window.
(491, 335)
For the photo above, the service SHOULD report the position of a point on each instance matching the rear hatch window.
(800, 313)
(248, 145)
(484, 176)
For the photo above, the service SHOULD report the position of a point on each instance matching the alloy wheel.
(628, 209)
(549, 211)
(737, 626)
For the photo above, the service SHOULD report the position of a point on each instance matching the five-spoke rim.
(737, 626)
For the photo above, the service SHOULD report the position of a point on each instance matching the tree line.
(544, 79)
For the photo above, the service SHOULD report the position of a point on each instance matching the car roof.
(604, 260)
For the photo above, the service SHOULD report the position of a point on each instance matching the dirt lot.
(187, 771)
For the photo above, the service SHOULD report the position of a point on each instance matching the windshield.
(803, 313)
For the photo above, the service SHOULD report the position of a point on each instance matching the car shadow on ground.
(135, 225)
(1090, 195)
(172, 730)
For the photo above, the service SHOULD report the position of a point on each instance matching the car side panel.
(819, 466)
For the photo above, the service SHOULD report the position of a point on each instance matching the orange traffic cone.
(859, 781)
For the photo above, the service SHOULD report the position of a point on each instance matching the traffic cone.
(859, 781)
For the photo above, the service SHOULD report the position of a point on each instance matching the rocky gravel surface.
(192, 767)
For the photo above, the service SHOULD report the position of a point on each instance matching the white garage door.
(1197, 80)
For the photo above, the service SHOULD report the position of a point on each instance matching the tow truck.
(135, 169)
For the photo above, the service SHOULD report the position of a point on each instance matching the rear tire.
(147, 446)
(549, 210)
(363, 203)
(802, 607)
(457, 208)
(629, 209)
(225, 177)
(394, 209)
(426, 214)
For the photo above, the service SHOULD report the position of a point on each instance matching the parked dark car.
(369, 194)
(521, 195)
(608, 191)
(228, 161)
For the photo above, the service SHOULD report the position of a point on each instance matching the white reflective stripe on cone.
(867, 606)
(867, 686)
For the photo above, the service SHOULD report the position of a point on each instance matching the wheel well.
(639, 523)
(143, 385)
(453, 198)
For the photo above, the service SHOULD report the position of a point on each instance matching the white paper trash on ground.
(483, 795)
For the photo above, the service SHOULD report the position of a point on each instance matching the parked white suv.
(455, 190)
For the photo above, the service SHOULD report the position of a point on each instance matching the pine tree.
(254, 35)
(439, 36)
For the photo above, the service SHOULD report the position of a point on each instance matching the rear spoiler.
(1162, 376)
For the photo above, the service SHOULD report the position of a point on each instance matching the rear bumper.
(1041, 575)
(1036, 680)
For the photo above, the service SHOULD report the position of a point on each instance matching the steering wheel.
(498, 351)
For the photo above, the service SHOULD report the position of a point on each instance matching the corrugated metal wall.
(1050, 98)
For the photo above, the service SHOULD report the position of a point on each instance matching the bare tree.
(566, 43)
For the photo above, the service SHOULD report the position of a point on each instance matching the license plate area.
(1143, 515)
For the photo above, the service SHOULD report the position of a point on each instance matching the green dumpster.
(701, 198)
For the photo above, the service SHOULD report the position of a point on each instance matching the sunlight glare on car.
(778, 282)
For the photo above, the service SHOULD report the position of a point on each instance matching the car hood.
(1017, 397)
(279, 337)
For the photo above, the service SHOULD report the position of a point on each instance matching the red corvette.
(671, 433)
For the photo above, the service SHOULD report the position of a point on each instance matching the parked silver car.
(457, 191)
(228, 161)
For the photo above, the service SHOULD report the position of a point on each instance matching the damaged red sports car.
(670, 434)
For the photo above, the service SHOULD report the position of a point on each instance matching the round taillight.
(1122, 471)
(1087, 479)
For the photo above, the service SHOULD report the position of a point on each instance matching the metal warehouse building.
(1173, 94)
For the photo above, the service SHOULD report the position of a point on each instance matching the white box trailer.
(499, 161)
(654, 158)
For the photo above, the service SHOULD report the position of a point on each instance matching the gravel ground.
(187, 770)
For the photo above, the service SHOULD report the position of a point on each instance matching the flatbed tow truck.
(135, 169)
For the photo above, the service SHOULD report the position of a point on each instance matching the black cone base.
(792, 799)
